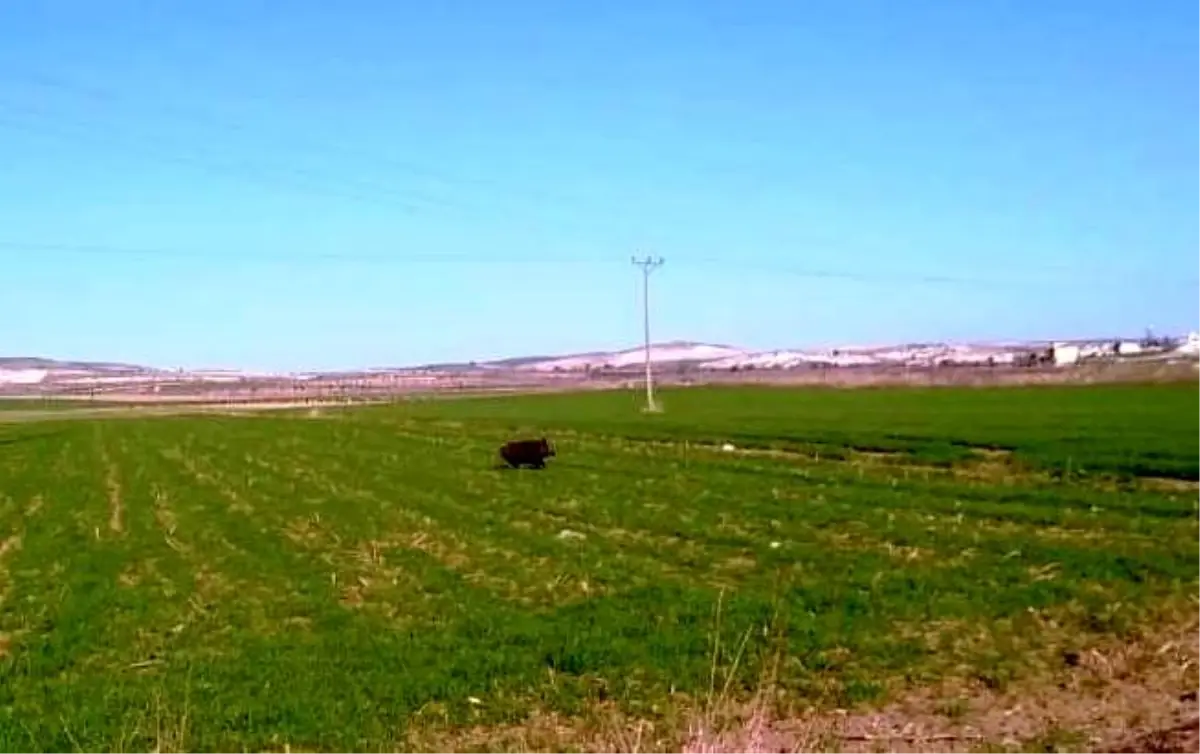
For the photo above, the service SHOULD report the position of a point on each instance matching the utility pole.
(648, 265)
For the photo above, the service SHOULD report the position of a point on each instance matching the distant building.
(1128, 348)
(1065, 355)
(1191, 345)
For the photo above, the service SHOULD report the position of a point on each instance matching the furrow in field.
(112, 481)
(28, 467)
(381, 576)
(841, 520)
(612, 453)
(489, 505)
(205, 477)
(909, 545)
(179, 563)
(1057, 503)
(102, 645)
(794, 509)
(672, 554)
(64, 557)
(484, 494)
(292, 570)
(10, 542)
(1054, 504)
(891, 519)
(543, 543)
(984, 467)
(400, 522)
(168, 522)
(737, 550)
(205, 498)
(324, 584)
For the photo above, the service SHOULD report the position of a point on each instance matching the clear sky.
(315, 184)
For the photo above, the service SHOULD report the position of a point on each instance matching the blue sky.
(313, 184)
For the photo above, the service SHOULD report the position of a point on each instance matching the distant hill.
(30, 371)
(673, 352)
(36, 362)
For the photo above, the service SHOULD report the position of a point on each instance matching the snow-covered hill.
(30, 372)
(911, 355)
(21, 370)
(708, 356)
(723, 357)
(660, 353)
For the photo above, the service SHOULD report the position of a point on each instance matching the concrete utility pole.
(648, 265)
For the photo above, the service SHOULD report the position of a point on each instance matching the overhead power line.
(740, 263)
(289, 177)
(359, 190)
(297, 179)
(1026, 277)
(192, 115)
(295, 259)
(412, 201)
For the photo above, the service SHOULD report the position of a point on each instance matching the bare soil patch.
(1142, 694)
(1139, 696)
(1182, 737)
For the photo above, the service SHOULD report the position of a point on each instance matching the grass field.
(358, 579)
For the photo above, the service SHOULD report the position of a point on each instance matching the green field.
(340, 579)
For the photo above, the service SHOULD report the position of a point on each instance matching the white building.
(1065, 355)
(1191, 345)
(1096, 350)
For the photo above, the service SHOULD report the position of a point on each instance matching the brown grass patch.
(10, 544)
(35, 504)
(129, 576)
(1164, 484)
(1105, 696)
(1135, 696)
(739, 563)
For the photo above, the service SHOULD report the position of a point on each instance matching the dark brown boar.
(532, 453)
